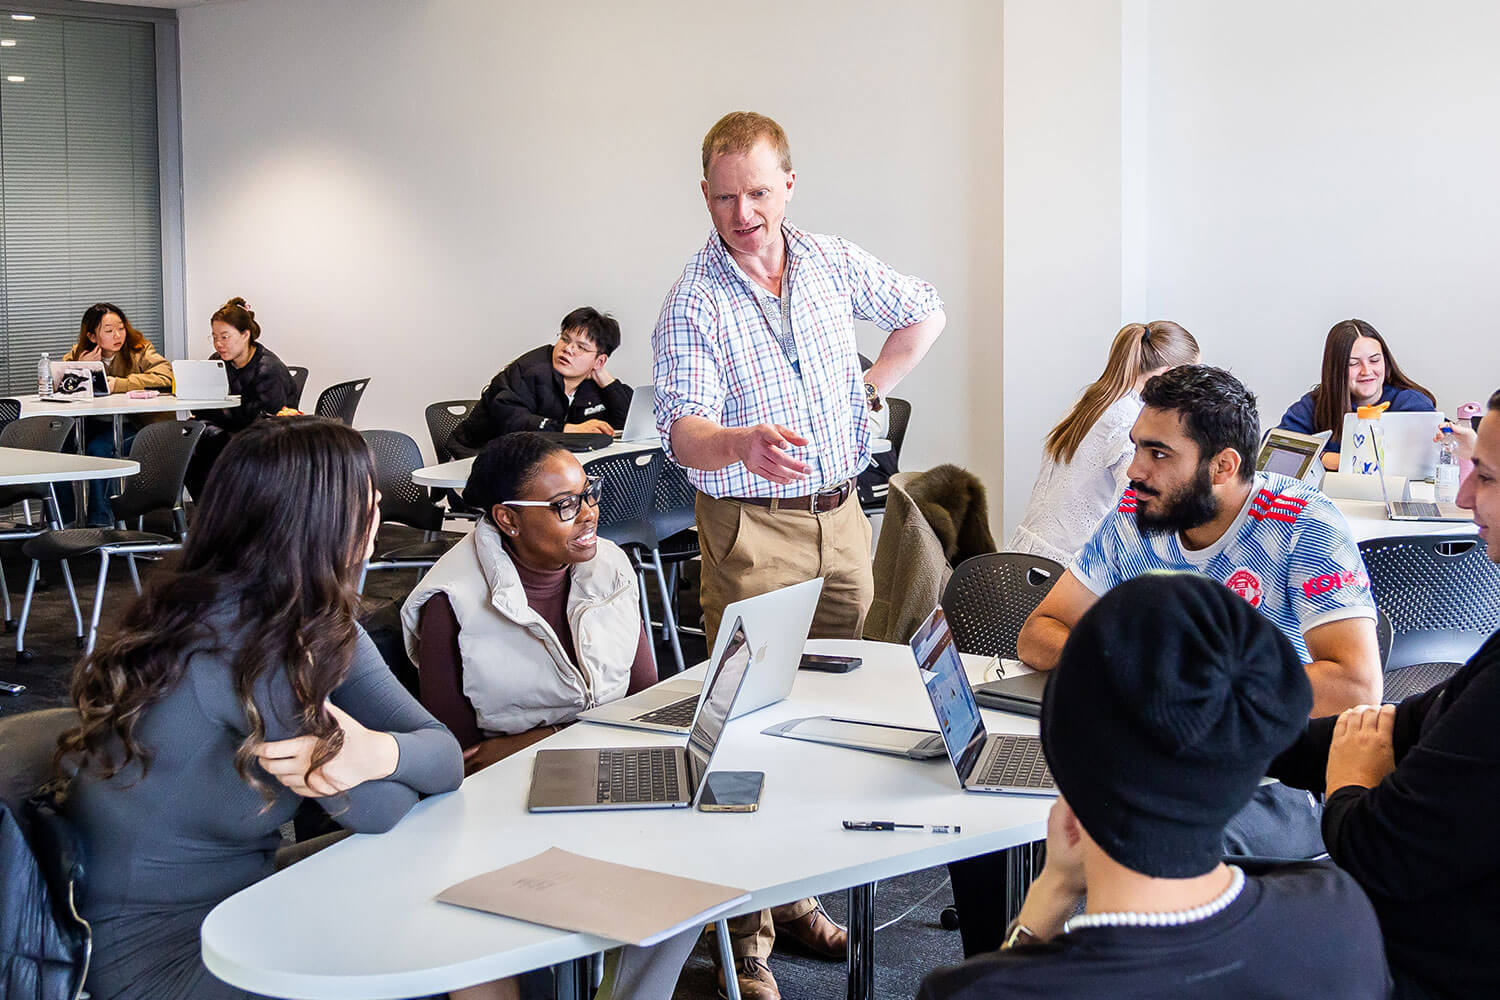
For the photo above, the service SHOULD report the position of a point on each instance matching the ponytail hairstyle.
(1137, 349)
(1331, 396)
(238, 315)
(88, 329)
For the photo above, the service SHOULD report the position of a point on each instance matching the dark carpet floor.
(903, 952)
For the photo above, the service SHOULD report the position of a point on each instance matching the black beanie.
(1170, 699)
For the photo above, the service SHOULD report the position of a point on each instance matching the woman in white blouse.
(1087, 453)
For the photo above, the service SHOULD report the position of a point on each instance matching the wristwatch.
(872, 396)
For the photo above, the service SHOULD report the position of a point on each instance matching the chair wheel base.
(24, 656)
(949, 918)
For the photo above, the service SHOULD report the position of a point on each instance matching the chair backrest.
(629, 495)
(1441, 594)
(895, 431)
(37, 434)
(989, 598)
(442, 417)
(299, 383)
(402, 501)
(340, 400)
(10, 409)
(163, 450)
(27, 741)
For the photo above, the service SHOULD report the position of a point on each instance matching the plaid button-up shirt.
(717, 354)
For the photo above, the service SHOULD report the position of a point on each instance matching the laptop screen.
(1287, 454)
(718, 700)
(943, 675)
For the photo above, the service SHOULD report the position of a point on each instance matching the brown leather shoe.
(754, 978)
(815, 934)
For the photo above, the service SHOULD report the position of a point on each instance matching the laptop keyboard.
(679, 713)
(645, 775)
(1415, 508)
(1016, 762)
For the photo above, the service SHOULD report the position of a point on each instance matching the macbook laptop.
(199, 379)
(640, 419)
(1289, 453)
(76, 380)
(1408, 448)
(645, 777)
(779, 618)
(983, 762)
(1416, 510)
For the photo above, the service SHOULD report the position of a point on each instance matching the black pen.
(885, 824)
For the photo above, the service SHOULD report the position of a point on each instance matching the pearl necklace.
(1174, 918)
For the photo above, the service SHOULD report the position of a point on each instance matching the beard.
(1191, 505)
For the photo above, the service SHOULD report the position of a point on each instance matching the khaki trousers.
(750, 550)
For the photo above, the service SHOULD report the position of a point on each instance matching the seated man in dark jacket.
(1171, 697)
(561, 387)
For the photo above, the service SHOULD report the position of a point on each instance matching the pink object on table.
(142, 394)
(1469, 410)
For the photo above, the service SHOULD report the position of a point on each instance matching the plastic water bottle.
(44, 375)
(1445, 480)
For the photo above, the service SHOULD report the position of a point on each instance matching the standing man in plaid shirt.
(759, 396)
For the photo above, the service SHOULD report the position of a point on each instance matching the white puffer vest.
(516, 672)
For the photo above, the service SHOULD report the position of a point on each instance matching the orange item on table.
(1372, 412)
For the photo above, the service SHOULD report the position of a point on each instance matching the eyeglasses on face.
(568, 506)
(577, 343)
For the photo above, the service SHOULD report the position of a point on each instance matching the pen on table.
(875, 825)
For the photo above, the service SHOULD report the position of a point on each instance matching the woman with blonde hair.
(1086, 455)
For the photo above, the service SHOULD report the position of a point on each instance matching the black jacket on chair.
(41, 956)
(528, 395)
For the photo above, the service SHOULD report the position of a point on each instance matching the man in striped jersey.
(1196, 504)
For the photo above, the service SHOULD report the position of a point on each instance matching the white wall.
(1256, 173)
(418, 191)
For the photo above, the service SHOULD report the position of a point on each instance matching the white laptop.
(640, 419)
(1408, 448)
(77, 380)
(199, 380)
(1289, 453)
(778, 621)
(984, 762)
(1417, 510)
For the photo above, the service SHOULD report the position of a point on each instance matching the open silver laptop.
(640, 419)
(666, 777)
(1416, 510)
(77, 380)
(1407, 446)
(778, 619)
(983, 762)
(199, 379)
(1289, 453)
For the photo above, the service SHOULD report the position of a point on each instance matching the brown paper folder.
(561, 889)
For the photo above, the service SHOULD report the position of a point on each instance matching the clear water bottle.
(1445, 480)
(44, 375)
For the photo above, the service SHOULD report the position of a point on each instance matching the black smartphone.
(829, 664)
(732, 791)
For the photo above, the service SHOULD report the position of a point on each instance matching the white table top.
(1367, 520)
(22, 465)
(118, 403)
(392, 939)
(455, 474)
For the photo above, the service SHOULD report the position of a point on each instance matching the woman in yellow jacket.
(131, 362)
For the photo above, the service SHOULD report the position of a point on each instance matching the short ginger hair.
(739, 131)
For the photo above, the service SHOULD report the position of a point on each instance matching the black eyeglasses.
(567, 507)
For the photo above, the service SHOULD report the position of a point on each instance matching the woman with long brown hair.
(236, 685)
(1085, 456)
(130, 362)
(1358, 370)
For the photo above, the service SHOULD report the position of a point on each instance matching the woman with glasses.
(532, 618)
(562, 386)
(255, 375)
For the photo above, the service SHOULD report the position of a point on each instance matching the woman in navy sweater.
(1358, 370)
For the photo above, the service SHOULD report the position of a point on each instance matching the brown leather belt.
(812, 503)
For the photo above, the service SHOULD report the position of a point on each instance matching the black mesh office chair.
(403, 502)
(627, 508)
(340, 400)
(34, 434)
(987, 600)
(163, 451)
(299, 383)
(1441, 595)
(10, 409)
(874, 482)
(442, 418)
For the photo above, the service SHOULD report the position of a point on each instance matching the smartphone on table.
(732, 791)
(829, 664)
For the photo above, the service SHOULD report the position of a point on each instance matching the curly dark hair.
(271, 563)
(1217, 410)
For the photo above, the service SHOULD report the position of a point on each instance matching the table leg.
(119, 448)
(574, 980)
(862, 942)
(80, 487)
